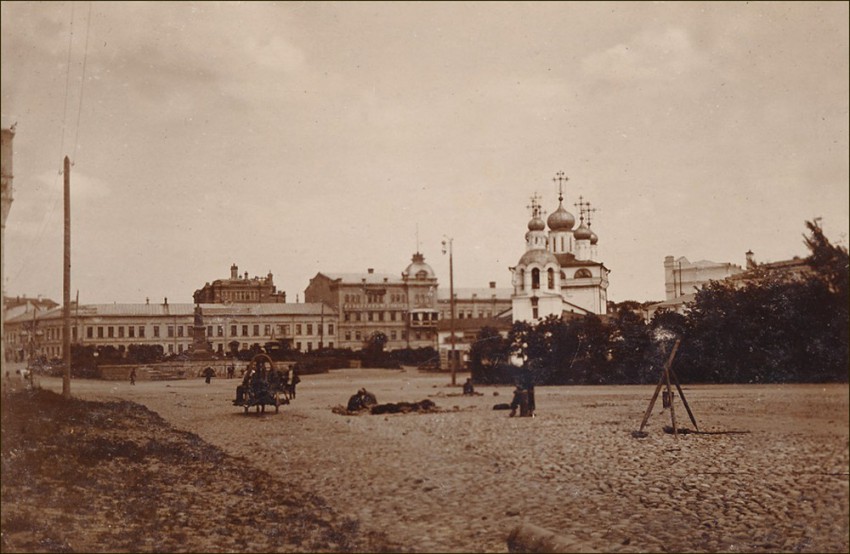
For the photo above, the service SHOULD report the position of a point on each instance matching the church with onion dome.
(560, 272)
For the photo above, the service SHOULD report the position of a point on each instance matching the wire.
(67, 79)
(49, 215)
(82, 84)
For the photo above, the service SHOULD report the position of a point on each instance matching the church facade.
(559, 273)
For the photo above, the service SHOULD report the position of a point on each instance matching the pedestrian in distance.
(292, 380)
(133, 376)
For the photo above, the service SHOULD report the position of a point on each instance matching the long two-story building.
(304, 327)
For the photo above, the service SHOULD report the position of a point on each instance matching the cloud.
(649, 56)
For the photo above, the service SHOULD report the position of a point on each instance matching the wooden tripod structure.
(666, 375)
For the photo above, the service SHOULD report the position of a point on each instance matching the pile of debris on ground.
(365, 402)
(81, 476)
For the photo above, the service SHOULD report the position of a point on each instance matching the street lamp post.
(31, 338)
(451, 305)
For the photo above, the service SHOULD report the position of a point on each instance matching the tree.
(373, 351)
(144, 353)
(277, 350)
(83, 362)
(487, 355)
(630, 341)
(831, 267)
(830, 262)
(774, 328)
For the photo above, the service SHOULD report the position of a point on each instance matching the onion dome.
(561, 219)
(536, 224)
(537, 256)
(593, 238)
(582, 232)
(418, 269)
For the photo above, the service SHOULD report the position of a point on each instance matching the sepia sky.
(302, 137)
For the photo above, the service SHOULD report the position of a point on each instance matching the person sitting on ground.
(363, 399)
(468, 389)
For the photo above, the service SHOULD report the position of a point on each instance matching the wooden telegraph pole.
(450, 242)
(66, 285)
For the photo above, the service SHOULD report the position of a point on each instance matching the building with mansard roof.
(560, 272)
(240, 289)
(402, 306)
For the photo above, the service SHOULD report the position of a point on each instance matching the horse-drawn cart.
(263, 385)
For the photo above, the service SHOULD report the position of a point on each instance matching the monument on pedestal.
(200, 346)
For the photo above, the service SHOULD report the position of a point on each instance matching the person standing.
(133, 376)
(292, 380)
(528, 385)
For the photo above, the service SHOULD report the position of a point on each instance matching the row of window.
(241, 295)
(171, 348)
(421, 299)
(374, 316)
(468, 314)
(393, 335)
(375, 298)
(582, 273)
(133, 331)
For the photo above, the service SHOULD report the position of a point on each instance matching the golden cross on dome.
(590, 211)
(535, 205)
(560, 178)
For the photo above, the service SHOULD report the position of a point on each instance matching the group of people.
(261, 379)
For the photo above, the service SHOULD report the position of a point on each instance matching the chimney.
(246, 275)
(234, 271)
(147, 301)
(165, 301)
(751, 261)
(492, 284)
(371, 270)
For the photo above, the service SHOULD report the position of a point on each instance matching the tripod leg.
(652, 403)
(660, 383)
(672, 409)
(684, 401)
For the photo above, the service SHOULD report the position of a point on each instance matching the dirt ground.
(769, 474)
